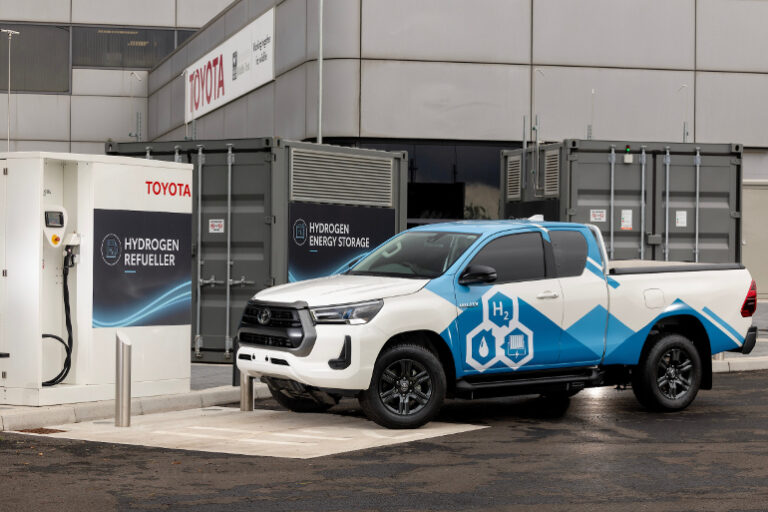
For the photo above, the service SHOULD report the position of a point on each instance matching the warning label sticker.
(215, 225)
(626, 220)
(596, 215)
(681, 219)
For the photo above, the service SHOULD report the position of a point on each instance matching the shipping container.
(271, 211)
(651, 200)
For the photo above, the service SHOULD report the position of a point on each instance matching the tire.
(669, 376)
(290, 401)
(407, 387)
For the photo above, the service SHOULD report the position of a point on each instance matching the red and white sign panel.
(242, 63)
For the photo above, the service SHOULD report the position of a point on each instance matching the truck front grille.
(267, 341)
(278, 327)
(278, 317)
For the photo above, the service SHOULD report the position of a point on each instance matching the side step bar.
(523, 385)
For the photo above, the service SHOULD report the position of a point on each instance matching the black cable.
(69, 261)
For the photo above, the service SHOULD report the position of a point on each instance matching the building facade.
(79, 68)
(454, 81)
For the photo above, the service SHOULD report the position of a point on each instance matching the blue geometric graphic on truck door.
(500, 337)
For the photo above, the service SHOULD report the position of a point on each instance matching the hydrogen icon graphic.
(500, 337)
(483, 349)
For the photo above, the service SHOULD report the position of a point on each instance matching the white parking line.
(258, 441)
(310, 436)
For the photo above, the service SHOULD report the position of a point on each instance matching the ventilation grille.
(514, 178)
(340, 178)
(551, 173)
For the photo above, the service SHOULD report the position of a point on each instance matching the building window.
(39, 59)
(183, 35)
(114, 47)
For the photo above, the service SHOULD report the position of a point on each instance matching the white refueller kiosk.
(90, 244)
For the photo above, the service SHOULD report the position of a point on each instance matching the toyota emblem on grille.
(264, 316)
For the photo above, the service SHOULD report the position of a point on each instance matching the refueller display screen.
(54, 219)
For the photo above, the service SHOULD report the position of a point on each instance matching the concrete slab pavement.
(261, 432)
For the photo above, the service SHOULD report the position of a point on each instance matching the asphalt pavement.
(599, 452)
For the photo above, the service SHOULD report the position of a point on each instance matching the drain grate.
(41, 431)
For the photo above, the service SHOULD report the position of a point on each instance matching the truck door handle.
(547, 295)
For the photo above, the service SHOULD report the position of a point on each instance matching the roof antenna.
(536, 218)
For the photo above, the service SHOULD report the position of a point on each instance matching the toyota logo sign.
(264, 316)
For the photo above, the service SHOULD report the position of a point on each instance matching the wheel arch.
(433, 342)
(690, 327)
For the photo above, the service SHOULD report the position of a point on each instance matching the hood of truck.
(341, 289)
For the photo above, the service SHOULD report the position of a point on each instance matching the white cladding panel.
(754, 164)
(97, 118)
(443, 100)
(88, 148)
(620, 33)
(36, 116)
(290, 106)
(755, 211)
(732, 36)
(139, 13)
(732, 107)
(341, 29)
(40, 145)
(341, 98)
(109, 82)
(447, 30)
(196, 13)
(35, 10)
(291, 32)
(628, 104)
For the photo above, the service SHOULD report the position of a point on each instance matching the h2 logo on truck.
(500, 338)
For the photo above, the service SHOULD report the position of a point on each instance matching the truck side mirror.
(475, 274)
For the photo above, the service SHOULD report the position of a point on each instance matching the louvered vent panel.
(324, 177)
(552, 173)
(514, 178)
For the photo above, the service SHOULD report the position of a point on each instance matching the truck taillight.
(750, 303)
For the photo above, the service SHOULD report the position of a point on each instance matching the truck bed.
(625, 267)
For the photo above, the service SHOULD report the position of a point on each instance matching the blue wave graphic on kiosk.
(176, 295)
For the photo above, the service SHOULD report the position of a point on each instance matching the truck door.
(585, 297)
(514, 322)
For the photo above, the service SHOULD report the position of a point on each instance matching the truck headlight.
(355, 314)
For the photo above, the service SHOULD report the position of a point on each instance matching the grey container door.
(718, 209)
(249, 235)
(589, 200)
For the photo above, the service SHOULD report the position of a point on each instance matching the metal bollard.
(122, 381)
(246, 392)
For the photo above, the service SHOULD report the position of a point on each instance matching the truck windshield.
(415, 254)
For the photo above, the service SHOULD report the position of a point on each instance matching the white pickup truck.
(494, 308)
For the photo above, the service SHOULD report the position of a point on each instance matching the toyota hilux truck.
(478, 309)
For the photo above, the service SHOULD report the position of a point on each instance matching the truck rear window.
(518, 257)
(570, 248)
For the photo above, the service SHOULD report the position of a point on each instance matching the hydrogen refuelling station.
(90, 245)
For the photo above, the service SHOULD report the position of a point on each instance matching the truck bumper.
(341, 358)
(749, 341)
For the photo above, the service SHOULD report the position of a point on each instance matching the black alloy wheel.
(407, 387)
(669, 376)
(674, 373)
